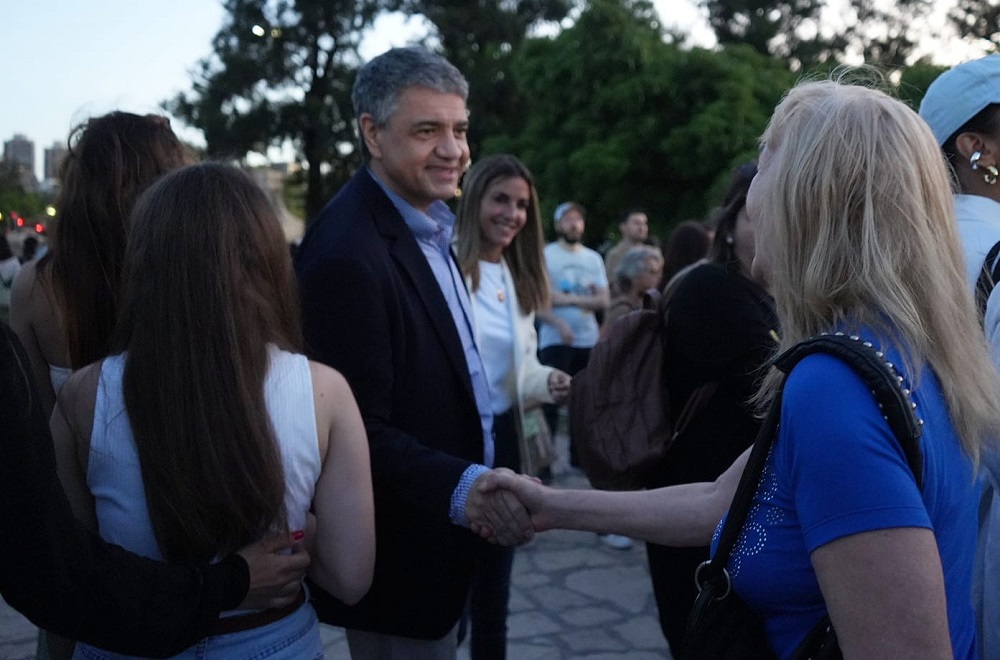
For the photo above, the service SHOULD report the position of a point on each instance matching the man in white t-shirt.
(569, 330)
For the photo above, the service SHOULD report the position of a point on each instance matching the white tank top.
(114, 476)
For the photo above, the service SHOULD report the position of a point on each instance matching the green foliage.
(480, 37)
(771, 27)
(879, 32)
(915, 80)
(620, 118)
(282, 70)
(610, 111)
(978, 20)
(888, 33)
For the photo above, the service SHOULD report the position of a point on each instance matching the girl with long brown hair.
(205, 428)
(63, 307)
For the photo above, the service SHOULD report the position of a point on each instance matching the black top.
(64, 577)
(722, 327)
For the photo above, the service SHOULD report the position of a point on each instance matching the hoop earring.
(991, 174)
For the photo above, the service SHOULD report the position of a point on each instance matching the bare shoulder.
(27, 284)
(33, 309)
(334, 405)
(83, 381)
(328, 383)
(76, 402)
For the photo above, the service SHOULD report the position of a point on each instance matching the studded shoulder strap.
(893, 399)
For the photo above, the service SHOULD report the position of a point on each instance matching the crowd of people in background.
(359, 432)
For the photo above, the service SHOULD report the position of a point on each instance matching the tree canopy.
(621, 118)
(809, 32)
(480, 38)
(978, 20)
(282, 70)
(603, 105)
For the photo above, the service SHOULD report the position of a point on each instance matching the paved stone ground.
(572, 597)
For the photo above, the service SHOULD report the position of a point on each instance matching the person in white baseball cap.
(962, 107)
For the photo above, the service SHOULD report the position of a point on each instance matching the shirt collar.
(977, 205)
(437, 225)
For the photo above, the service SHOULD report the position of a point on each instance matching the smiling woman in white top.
(499, 246)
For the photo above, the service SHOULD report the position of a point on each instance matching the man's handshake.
(503, 507)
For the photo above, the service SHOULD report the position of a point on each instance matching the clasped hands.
(505, 507)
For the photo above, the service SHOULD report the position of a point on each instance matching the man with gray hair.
(383, 301)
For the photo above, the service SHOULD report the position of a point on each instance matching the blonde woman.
(499, 247)
(847, 240)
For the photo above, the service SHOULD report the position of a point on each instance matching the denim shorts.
(295, 636)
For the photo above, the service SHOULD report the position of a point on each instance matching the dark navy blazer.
(373, 310)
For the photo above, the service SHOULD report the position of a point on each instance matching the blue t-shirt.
(836, 469)
(579, 271)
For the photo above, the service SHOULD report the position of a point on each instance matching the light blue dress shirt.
(433, 231)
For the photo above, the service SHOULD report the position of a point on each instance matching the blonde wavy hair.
(857, 229)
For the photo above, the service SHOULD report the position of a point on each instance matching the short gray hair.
(380, 82)
(634, 262)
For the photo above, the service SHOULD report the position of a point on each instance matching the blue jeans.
(294, 637)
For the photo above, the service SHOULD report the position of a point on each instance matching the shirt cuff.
(461, 494)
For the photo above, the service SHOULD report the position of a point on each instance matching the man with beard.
(579, 289)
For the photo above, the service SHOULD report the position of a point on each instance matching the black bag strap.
(989, 275)
(894, 401)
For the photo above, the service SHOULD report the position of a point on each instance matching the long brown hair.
(208, 285)
(110, 161)
(525, 256)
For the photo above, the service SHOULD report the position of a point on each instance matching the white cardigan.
(531, 377)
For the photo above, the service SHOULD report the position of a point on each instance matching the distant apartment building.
(53, 158)
(19, 151)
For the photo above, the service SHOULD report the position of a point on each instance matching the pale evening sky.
(65, 62)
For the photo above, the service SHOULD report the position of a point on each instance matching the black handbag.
(721, 626)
